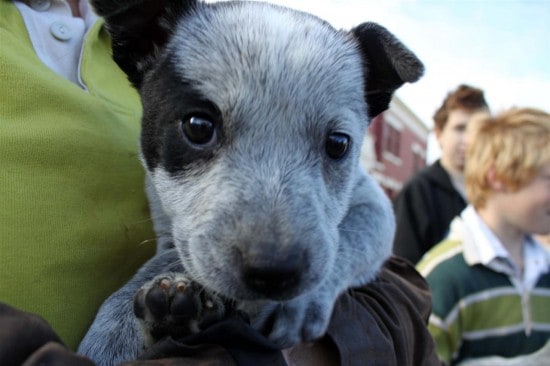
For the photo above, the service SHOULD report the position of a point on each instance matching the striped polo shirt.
(482, 306)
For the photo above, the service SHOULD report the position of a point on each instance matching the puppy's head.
(252, 126)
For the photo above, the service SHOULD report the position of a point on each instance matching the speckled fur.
(276, 82)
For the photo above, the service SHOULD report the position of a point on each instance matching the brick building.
(395, 147)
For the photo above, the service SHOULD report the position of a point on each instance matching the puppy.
(253, 119)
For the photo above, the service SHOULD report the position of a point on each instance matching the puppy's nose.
(274, 280)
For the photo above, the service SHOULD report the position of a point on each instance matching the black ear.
(388, 65)
(139, 29)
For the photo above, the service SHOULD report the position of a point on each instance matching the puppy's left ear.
(140, 29)
(388, 64)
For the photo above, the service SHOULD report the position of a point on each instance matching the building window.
(418, 162)
(418, 157)
(377, 130)
(392, 139)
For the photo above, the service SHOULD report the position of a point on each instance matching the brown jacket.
(382, 323)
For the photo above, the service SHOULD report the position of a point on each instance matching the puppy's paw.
(303, 319)
(173, 305)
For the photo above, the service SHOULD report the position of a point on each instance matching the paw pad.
(171, 304)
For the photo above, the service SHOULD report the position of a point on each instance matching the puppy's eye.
(198, 130)
(337, 145)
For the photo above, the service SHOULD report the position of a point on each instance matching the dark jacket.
(380, 324)
(424, 209)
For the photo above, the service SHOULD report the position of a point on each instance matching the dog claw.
(173, 305)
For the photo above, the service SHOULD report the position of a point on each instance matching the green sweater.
(478, 312)
(74, 222)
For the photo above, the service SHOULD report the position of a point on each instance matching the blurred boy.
(434, 196)
(490, 278)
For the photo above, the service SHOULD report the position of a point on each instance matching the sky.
(500, 46)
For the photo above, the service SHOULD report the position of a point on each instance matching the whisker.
(353, 230)
(147, 241)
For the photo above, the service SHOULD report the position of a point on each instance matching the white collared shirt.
(482, 246)
(57, 37)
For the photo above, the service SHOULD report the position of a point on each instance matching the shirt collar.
(86, 11)
(481, 246)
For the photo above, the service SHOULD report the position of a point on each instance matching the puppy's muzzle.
(274, 276)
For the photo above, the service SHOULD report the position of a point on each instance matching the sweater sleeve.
(445, 280)
(444, 337)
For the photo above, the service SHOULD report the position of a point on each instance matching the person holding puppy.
(74, 223)
(74, 220)
(490, 278)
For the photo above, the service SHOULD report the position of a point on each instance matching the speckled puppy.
(253, 119)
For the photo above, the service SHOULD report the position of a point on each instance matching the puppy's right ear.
(139, 30)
